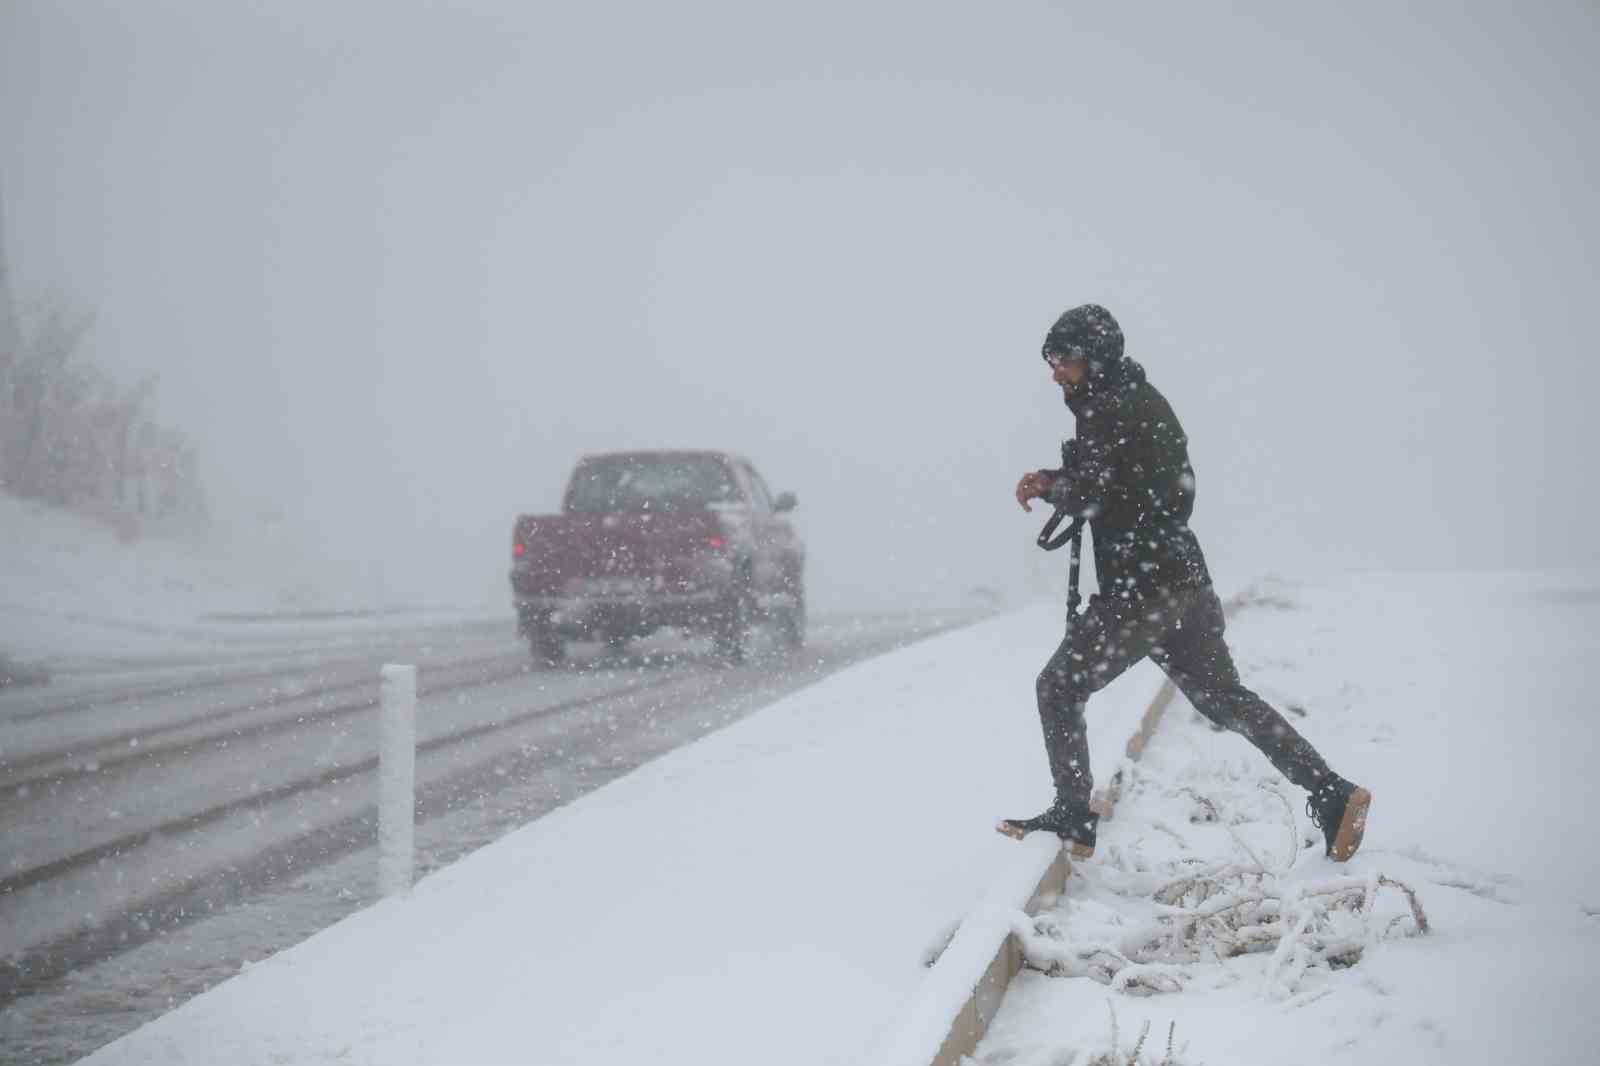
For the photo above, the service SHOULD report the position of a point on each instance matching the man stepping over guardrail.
(1127, 473)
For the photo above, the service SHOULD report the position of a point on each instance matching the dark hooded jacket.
(1127, 471)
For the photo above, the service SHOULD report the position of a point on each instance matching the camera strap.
(1049, 540)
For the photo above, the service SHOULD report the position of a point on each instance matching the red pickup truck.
(689, 539)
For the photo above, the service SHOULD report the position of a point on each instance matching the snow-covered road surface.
(134, 811)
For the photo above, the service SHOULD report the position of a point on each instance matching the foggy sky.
(399, 264)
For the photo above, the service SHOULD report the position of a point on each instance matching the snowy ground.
(771, 893)
(1462, 702)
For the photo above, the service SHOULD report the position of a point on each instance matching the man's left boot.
(1339, 808)
(1073, 824)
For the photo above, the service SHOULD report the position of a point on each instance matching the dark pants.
(1181, 630)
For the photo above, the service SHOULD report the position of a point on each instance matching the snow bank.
(1462, 702)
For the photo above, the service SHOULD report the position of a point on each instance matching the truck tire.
(792, 622)
(735, 630)
(547, 648)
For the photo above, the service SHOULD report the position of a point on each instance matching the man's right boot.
(1075, 826)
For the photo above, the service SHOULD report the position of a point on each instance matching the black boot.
(1339, 809)
(1073, 824)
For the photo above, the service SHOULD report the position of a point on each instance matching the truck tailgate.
(560, 552)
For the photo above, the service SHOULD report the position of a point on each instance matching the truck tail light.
(717, 541)
(519, 549)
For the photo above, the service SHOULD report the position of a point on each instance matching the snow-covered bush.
(1200, 913)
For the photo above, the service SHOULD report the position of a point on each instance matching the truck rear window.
(628, 483)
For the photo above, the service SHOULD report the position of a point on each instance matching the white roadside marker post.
(397, 776)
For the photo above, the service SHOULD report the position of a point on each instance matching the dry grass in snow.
(1186, 914)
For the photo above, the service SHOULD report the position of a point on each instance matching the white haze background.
(399, 263)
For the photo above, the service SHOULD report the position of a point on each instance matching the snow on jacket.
(1128, 472)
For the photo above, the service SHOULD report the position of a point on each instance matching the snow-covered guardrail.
(963, 990)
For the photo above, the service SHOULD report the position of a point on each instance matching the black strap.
(1049, 540)
(1045, 534)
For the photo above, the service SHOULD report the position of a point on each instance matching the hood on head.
(1089, 332)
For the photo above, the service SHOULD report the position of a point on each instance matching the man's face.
(1068, 371)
